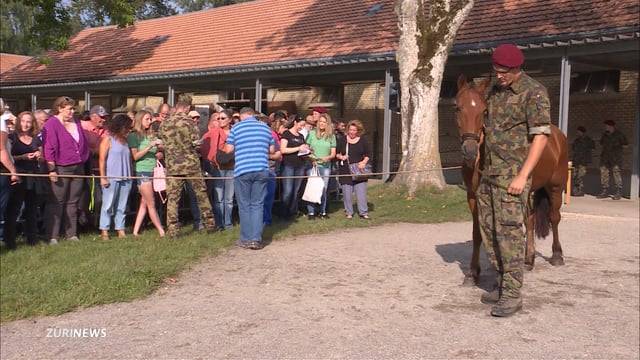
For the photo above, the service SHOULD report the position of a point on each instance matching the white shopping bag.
(315, 187)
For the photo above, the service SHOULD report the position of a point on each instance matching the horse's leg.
(473, 276)
(530, 250)
(556, 202)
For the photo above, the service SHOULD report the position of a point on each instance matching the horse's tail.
(542, 207)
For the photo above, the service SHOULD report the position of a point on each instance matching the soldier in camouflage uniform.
(180, 139)
(612, 142)
(581, 148)
(516, 129)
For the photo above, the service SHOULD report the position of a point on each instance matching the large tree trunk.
(427, 32)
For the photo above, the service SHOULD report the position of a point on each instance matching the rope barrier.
(220, 177)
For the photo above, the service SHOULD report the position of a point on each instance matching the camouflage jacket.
(612, 144)
(514, 115)
(581, 148)
(179, 136)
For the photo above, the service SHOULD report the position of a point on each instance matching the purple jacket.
(60, 147)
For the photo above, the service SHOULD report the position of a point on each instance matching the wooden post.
(567, 194)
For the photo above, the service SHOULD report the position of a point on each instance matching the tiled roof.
(276, 31)
(9, 61)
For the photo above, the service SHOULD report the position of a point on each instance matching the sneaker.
(53, 242)
(73, 238)
(603, 195)
(365, 216)
(311, 217)
(617, 196)
(324, 216)
(255, 245)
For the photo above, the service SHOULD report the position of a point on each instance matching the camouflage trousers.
(604, 177)
(579, 171)
(503, 233)
(174, 190)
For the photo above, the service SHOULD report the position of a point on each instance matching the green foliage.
(29, 27)
(16, 23)
(51, 280)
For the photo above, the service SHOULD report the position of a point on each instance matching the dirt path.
(386, 292)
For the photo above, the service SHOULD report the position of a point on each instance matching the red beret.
(319, 109)
(610, 123)
(507, 55)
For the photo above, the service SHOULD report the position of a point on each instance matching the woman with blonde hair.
(322, 141)
(144, 145)
(354, 150)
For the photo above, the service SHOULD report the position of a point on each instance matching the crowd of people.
(75, 165)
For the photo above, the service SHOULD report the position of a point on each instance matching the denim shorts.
(145, 176)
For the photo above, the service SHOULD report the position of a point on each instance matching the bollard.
(567, 194)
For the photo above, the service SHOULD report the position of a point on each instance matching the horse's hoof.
(528, 267)
(469, 280)
(556, 261)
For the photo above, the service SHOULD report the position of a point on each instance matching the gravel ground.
(384, 292)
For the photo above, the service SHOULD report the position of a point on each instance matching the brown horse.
(548, 178)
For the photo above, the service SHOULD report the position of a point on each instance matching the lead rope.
(92, 189)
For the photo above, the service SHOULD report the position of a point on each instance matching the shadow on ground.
(460, 253)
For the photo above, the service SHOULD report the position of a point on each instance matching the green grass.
(51, 280)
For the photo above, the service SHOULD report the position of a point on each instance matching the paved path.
(385, 292)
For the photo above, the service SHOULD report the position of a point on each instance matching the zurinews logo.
(76, 332)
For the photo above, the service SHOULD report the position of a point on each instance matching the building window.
(596, 82)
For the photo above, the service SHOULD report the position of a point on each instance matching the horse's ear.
(484, 84)
(462, 82)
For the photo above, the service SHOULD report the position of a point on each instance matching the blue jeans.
(324, 172)
(290, 188)
(193, 205)
(114, 204)
(223, 197)
(269, 198)
(250, 196)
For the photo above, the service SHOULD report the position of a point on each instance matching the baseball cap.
(193, 113)
(98, 110)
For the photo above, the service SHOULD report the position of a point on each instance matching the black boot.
(507, 306)
(617, 195)
(491, 297)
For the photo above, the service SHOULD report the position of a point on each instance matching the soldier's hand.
(517, 185)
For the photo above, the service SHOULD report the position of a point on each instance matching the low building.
(296, 53)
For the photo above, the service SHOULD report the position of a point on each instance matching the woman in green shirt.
(144, 146)
(322, 142)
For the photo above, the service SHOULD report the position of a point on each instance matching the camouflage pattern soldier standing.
(581, 148)
(516, 130)
(612, 142)
(180, 140)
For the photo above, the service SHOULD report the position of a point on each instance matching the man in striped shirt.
(252, 143)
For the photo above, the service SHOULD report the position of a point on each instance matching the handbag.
(358, 174)
(159, 179)
(315, 187)
(222, 158)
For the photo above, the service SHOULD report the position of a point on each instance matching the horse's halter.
(470, 136)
